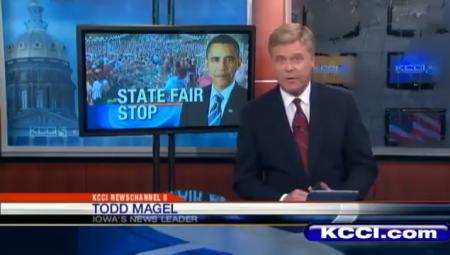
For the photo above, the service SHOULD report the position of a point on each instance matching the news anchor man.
(300, 134)
(224, 98)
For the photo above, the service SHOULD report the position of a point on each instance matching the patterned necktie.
(215, 114)
(300, 128)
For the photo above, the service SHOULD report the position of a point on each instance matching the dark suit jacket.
(196, 113)
(268, 165)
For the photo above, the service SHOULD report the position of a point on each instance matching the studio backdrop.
(39, 108)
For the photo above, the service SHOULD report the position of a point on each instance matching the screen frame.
(406, 85)
(82, 30)
(404, 32)
(343, 54)
(389, 111)
(348, 35)
(396, 32)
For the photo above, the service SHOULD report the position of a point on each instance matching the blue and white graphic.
(412, 70)
(184, 240)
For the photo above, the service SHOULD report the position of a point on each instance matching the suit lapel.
(230, 107)
(204, 108)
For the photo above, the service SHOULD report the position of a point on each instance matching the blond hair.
(289, 33)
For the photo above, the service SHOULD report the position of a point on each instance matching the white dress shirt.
(290, 107)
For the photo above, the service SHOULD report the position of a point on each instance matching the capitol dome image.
(41, 94)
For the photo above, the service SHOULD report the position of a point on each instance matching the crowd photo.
(158, 61)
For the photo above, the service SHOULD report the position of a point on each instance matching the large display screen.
(412, 70)
(415, 127)
(39, 111)
(178, 78)
(408, 17)
(335, 70)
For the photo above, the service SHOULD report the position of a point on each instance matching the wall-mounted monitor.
(344, 24)
(416, 127)
(139, 79)
(408, 17)
(338, 70)
(417, 70)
